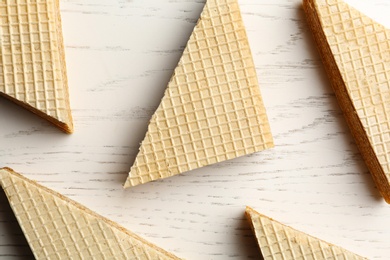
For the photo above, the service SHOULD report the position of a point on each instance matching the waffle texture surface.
(59, 228)
(356, 54)
(32, 60)
(278, 241)
(212, 109)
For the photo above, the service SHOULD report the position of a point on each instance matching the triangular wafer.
(59, 228)
(32, 60)
(356, 53)
(212, 109)
(278, 241)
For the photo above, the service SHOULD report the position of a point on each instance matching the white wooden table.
(120, 56)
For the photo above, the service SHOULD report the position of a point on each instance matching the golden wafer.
(59, 228)
(278, 241)
(356, 53)
(32, 60)
(212, 109)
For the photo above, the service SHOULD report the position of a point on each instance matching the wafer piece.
(32, 60)
(278, 241)
(212, 109)
(356, 53)
(59, 228)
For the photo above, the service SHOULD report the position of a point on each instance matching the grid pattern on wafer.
(212, 109)
(57, 228)
(361, 48)
(33, 67)
(277, 241)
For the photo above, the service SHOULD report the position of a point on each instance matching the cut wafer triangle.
(356, 53)
(278, 241)
(59, 228)
(212, 109)
(32, 60)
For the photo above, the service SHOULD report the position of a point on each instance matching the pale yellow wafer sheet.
(280, 242)
(361, 49)
(212, 109)
(59, 228)
(33, 71)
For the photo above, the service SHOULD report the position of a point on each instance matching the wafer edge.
(66, 127)
(61, 125)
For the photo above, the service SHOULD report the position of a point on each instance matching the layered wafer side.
(278, 241)
(32, 59)
(212, 109)
(59, 228)
(356, 53)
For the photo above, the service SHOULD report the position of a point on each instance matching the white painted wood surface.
(120, 56)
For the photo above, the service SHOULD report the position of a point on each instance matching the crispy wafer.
(32, 60)
(356, 53)
(278, 241)
(212, 109)
(59, 228)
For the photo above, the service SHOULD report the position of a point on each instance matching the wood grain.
(120, 56)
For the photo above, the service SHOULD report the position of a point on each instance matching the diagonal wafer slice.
(32, 59)
(278, 241)
(356, 53)
(212, 109)
(59, 228)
